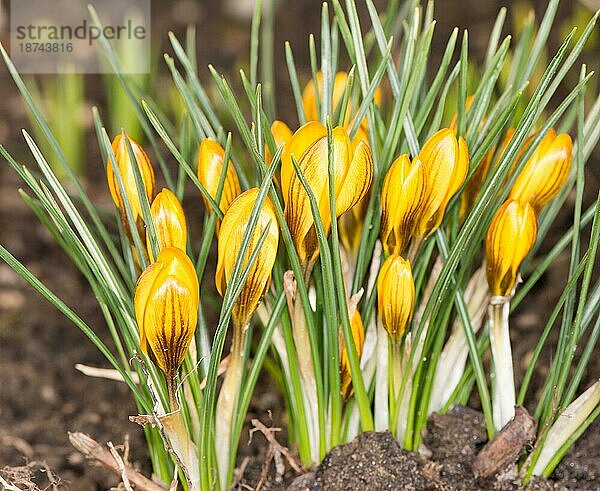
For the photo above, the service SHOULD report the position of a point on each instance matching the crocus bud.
(169, 222)
(509, 239)
(232, 232)
(353, 170)
(402, 197)
(545, 172)
(446, 161)
(166, 309)
(126, 171)
(395, 295)
(210, 165)
(358, 335)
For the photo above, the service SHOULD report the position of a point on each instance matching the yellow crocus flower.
(127, 174)
(395, 295)
(166, 309)
(210, 165)
(231, 235)
(545, 172)
(169, 222)
(402, 197)
(509, 238)
(446, 161)
(353, 169)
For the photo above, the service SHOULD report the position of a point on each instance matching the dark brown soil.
(375, 461)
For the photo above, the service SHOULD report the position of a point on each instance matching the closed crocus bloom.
(353, 170)
(358, 335)
(127, 174)
(210, 165)
(396, 295)
(545, 172)
(166, 309)
(402, 196)
(509, 239)
(232, 232)
(169, 222)
(446, 161)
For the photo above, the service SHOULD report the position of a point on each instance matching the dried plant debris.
(504, 449)
(34, 476)
(113, 460)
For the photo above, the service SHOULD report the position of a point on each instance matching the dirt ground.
(42, 396)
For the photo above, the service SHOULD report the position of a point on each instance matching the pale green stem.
(179, 438)
(503, 398)
(382, 416)
(307, 373)
(453, 358)
(226, 403)
(401, 415)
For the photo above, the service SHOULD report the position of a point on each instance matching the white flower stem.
(503, 398)
(307, 374)
(382, 416)
(226, 404)
(452, 361)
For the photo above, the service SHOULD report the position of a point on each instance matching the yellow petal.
(395, 295)
(306, 136)
(509, 238)
(546, 172)
(281, 134)
(210, 165)
(169, 222)
(357, 181)
(143, 288)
